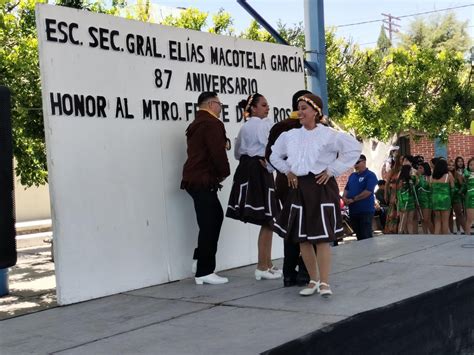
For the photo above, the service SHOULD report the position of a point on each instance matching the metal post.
(8, 253)
(316, 48)
(261, 21)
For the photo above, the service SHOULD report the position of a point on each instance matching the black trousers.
(209, 216)
(362, 225)
(291, 258)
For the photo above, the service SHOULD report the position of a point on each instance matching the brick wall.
(342, 179)
(458, 145)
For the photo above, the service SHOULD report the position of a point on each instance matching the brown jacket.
(207, 163)
(281, 182)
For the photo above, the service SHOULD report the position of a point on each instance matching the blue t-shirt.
(357, 183)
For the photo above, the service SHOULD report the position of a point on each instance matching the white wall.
(32, 203)
(120, 220)
(376, 152)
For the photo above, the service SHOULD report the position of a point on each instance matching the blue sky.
(337, 12)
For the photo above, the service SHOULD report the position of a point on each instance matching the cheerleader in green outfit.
(441, 185)
(469, 201)
(457, 197)
(423, 189)
(406, 200)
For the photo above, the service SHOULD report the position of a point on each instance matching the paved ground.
(244, 316)
(32, 283)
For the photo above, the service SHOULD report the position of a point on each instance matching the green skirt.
(469, 198)
(405, 201)
(441, 196)
(424, 198)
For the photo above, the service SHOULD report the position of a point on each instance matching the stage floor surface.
(244, 316)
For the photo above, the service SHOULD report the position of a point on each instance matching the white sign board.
(117, 98)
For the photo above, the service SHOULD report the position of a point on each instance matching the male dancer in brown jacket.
(292, 257)
(206, 167)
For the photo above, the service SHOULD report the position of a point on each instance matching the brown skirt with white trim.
(252, 197)
(311, 212)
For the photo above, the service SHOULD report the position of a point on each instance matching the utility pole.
(316, 49)
(391, 25)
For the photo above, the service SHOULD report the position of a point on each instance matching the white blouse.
(253, 137)
(303, 151)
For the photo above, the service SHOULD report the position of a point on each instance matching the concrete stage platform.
(392, 294)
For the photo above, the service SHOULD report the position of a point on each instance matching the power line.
(430, 12)
(409, 15)
(357, 23)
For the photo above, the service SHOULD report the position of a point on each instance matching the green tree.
(383, 42)
(19, 71)
(350, 73)
(438, 32)
(190, 18)
(418, 89)
(256, 33)
(96, 6)
(222, 23)
(142, 9)
(293, 35)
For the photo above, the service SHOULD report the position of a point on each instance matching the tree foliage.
(222, 23)
(383, 42)
(417, 88)
(440, 32)
(19, 71)
(255, 32)
(190, 18)
(294, 35)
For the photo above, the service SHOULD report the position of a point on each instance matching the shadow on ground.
(31, 282)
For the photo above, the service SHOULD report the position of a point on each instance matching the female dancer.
(456, 198)
(310, 157)
(391, 225)
(423, 189)
(469, 201)
(252, 197)
(459, 163)
(441, 186)
(406, 200)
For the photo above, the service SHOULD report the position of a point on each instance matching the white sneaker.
(194, 266)
(266, 275)
(211, 279)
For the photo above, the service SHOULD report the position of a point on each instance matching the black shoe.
(289, 281)
(302, 280)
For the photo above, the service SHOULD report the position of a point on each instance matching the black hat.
(296, 96)
(362, 157)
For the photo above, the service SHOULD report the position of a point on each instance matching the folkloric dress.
(311, 212)
(252, 197)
